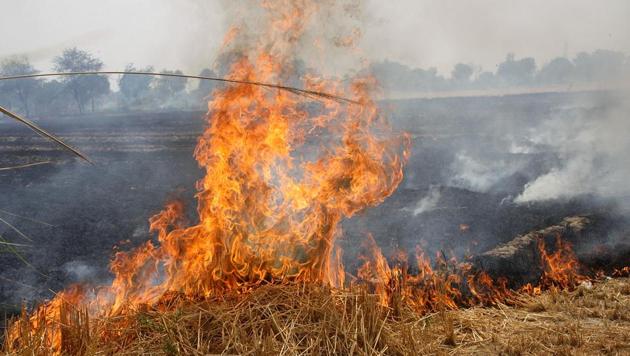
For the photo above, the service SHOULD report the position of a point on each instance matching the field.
(71, 216)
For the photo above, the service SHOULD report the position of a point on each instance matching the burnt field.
(470, 159)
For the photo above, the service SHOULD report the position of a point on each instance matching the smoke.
(593, 148)
(480, 173)
(79, 271)
(428, 202)
(91, 208)
(324, 30)
(548, 148)
(443, 33)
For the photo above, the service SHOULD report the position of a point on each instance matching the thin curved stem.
(44, 133)
(216, 79)
(24, 165)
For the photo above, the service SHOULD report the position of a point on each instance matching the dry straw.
(293, 319)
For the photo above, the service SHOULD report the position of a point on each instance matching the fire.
(452, 284)
(621, 272)
(280, 176)
(281, 173)
(561, 267)
(271, 199)
(48, 321)
(447, 286)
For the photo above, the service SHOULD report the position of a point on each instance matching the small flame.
(452, 284)
(561, 267)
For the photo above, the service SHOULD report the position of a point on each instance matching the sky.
(185, 34)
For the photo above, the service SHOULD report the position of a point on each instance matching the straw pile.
(299, 319)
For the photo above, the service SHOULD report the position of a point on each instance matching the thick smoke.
(481, 173)
(331, 29)
(593, 148)
(553, 148)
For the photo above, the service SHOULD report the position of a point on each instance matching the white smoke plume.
(480, 173)
(428, 202)
(594, 151)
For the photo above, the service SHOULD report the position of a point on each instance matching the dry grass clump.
(587, 321)
(301, 319)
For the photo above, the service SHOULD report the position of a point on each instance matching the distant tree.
(169, 89)
(52, 97)
(559, 71)
(599, 65)
(397, 76)
(84, 89)
(461, 76)
(205, 87)
(393, 75)
(295, 72)
(135, 88)
(516, 72)
(461, 73)
(21, 89)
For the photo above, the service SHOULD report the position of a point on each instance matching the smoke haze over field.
(187, 34)
(593, 147)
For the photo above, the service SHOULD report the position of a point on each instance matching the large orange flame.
(276, 184)
(280, 176)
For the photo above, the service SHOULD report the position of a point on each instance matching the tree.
(84, 89)
(52, 97)
(168, 90)
(599, 65)
(460, 76)
(397, 76)
(170, 85)
(461, 73)
(517, 72)
(135, 88)
(205, 87)
(226, 59)
(559, 71)
(21, 89)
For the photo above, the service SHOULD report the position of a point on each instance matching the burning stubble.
(268, 207)
(281, 174)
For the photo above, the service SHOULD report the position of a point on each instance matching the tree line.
(601, 67)
(82, 94)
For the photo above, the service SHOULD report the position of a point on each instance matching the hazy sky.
(185, 34)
